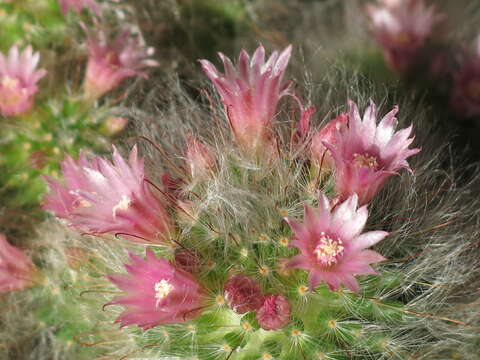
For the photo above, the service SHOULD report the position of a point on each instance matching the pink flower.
(242, 294)
(78, 5)
(16, 269)
(250, 94)
(112, 61)
(367, 154)
(105, 197)
(332, 248)
(115, 124)
(466, 93)
(274, 313)
(200, 158)
(319, 152)
(156, 293)
(18, 79)
(402, 28)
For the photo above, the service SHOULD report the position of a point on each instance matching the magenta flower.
(156, 293)
(367, 154)
(110, 61)
(250, 94)
(16, 269)
(274, 313)
(242, 294)
(319, 152)
(332, 248)
(18, 79)
(78, 5)
(200, 158)
(466, 93)
(109, 197)
(402, 28)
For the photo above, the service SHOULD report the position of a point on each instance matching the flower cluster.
(357, 154)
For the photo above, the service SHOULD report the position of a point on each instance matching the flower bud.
(200, 158)
(188, 260)
(115, 125)
(274, 314)
(17, 271)
(243, 294)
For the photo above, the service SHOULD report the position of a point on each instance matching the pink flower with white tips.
(367, 154)
(78, 5)
(332, 248)
(402, 28)
(110, 61)
(109, 197)
(466, 93)
(16, 269)
(320, 154)
(156, 293)
(250, 94)
(18, 79)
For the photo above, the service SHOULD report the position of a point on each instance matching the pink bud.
(200, 158)
(173, 186)
(320, 155)
(274, 314)
(243, 294)
(188, 260)
(38, 159)
(303, 127)
(16, 269)
(115, 124)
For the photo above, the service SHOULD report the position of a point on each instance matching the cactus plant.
(264, 256)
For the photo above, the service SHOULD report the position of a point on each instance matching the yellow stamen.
(162, 289)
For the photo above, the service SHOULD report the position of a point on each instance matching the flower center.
(123, 204)
(365, 160)
(112, 59)
(401, 39)
(10, 82)
(11, 93)
(328, 250)
(162, 289)
(474, 89)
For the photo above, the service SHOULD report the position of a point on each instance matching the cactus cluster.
(235, 224)
(249, 248)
